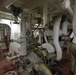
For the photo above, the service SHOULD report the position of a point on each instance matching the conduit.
(56, 38)
(64, 27)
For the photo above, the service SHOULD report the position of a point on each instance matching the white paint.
(74, 39)
(74, 24)
(74, 20)
(45, 12)
(72, 35)
(66, 5)
(49, 47)
(23, 50)
(15, 28)
(47, 33)
(15, 31)
(60, 32)
(56, 39)
(70, 11)
(14, 47)
(40, 38)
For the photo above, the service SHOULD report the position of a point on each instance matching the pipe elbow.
(56, 39)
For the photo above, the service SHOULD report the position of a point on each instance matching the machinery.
(37, 62)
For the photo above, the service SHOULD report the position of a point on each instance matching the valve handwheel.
(11, 73)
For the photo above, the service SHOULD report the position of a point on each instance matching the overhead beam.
(6, 3)
(4, 15)
(5, 10)
(32, 5)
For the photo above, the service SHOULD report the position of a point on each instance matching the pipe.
(64, 27)
(45, 12)
(46, 33)
(49, 47)
(38, 65)
(70, 11)
(56, 38)
(45, 38)
(42, 69)
(66, 5)
(74, 24)
(39, 40)
(23, 49)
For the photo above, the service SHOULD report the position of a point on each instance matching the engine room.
(37, 37)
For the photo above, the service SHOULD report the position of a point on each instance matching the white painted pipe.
(45, 12)
(66, 5)
(40, 39)
(45, 38)
(23, 36)
(64, 27)
(49, 47)
(47, 33)
(74, 24)
(70, 11)
(56, 39)
(5, 31)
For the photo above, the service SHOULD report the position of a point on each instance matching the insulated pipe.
(45, 38)
(39, 40)
(56, 38)
(47, 33)
(45, 12)
(23, 35)
(66, 5)
(64, 27)
(70, 11)
(74, 24)
(47, 45)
